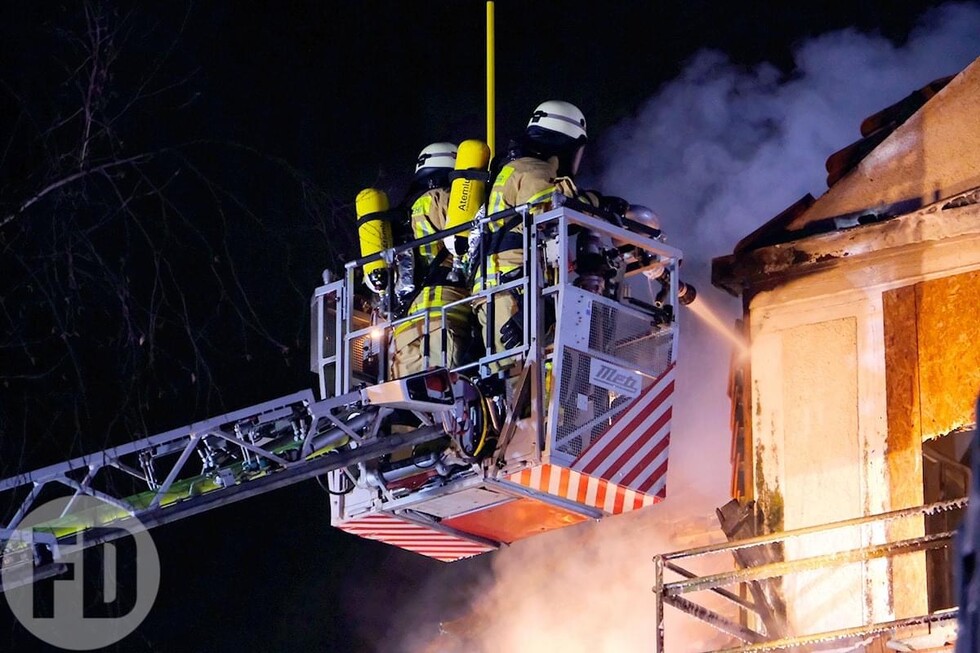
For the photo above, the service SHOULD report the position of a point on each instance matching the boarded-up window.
(932, 358)
(932, 351)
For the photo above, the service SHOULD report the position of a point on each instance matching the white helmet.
(562, 117)
(644, 215)
(436, 156)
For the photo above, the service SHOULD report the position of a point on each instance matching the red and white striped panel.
(633, 451)
(587, 490)
(413, 537)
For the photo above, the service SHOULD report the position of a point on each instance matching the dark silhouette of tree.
(149, 273)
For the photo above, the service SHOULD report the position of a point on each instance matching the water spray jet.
(709, 317)
(686, 296)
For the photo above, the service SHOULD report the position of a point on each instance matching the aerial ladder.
(570, 424)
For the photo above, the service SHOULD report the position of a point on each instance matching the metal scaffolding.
(772, 637)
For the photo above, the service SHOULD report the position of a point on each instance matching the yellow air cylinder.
(468, 191)
(373, 231)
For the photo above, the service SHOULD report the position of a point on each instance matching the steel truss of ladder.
(192, 469)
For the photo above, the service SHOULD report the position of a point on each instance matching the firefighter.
(537, 168)
(432, 286)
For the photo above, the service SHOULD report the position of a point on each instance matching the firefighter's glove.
(566, 186)
(590, 197)
(512, 331)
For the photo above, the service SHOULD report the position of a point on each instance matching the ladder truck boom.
(447, 462)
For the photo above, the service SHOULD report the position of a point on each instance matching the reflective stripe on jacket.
(429, 217)
(526, 180)
(430, 300)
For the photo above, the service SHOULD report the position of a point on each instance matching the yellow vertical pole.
(491, 72)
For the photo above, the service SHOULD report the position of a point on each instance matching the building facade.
(857, 397)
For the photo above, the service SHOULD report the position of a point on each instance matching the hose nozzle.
(686, 293)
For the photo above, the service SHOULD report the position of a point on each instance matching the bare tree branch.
(135, 296)
(139, 158)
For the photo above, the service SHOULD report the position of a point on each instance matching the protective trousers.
(505, 306)
(410, 341)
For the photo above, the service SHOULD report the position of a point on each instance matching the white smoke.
(716, 152)
(722, 148)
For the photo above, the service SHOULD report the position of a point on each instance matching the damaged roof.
(911, 154)
(917, 152)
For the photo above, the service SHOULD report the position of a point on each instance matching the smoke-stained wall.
(860, 349)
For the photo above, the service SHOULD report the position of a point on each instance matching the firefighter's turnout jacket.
(525, 180)
(428, 217)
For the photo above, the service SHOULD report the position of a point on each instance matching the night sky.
(178, 287)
